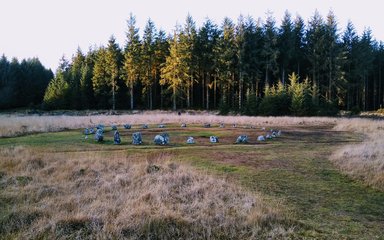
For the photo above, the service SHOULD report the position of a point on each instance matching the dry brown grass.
(115, 195)
(14, 125)
(365, 160)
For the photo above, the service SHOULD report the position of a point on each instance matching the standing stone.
(99, 135)
(127, 126)
(261, 138)
(213, 139)
(162, 139)
(136, 138)
(207, 125)
(116, 137)
(190, 140)
(100, 127)
(242, 139)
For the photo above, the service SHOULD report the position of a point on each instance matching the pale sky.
(49, 29)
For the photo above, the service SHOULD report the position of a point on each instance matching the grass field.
(320, 180)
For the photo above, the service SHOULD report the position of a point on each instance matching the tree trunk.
(202, 88)
(113, 97)
(215, 93)
(174, 98)
(240, 90)
(150, 98)
(131, 93)
(207, 92)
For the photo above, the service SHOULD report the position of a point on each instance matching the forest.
(252, 67)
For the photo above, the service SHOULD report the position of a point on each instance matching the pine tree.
(56, 94)
(225, 51)
(187, 42)
(100, 79)
(270, 50)
(132, 57)
(160, 55)
(175, 71)
(207, 38)
(286, 45)
(148, 59)
(113, 61)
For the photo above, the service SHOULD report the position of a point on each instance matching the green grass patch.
(323, 203)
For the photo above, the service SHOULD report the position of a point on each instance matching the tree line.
(22, 83)
(249, 66)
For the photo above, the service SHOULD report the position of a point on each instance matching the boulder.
(127, 126)
(162, 139)
(86, 131)
(213, 139)
(207, 125)
(234, 125)
(183, 125)
(190, 140)
(268, 136)
(161, 126)
(261, 138)
(99, 135)
(101, 127)
(242, 139)
(116, 137)
(136, 138)
(145, 126)
(222, 125)
(91, 131)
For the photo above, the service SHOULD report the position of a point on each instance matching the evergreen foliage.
(250, 67)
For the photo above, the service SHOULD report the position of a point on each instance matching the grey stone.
(99, 135)
(101, 127)
(190, 140)
(114, 128)
(145, 126)
(161, 126)
(91, 131)
(234, 125)
(222, 125)
(161, 139)
(136, 138)
(86, 131)
(183, 125)
(242, 139)
(207, 125)
(261, 138)
(213, 139)
(127, 126)
(116, 137)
